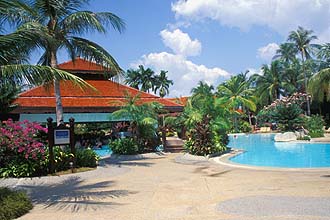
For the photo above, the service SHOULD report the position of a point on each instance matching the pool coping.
(225, 161)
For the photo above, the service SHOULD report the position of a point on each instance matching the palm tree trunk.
(305, 80)
(57, 91)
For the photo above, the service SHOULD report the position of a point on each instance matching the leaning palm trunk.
(57, 91)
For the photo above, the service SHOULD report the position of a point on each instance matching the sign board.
(61, 136)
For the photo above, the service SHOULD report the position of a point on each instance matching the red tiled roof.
(108, 94)
(80, 64)
(181, 100)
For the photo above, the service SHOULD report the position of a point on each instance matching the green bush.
(13, 204)
(314, 124)
(125, 146)
(244, 127)
(86, 158)
(288, 116)
(304, 138)
(205, 139)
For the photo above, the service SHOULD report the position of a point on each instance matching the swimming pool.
(103, 151)
(261, 150)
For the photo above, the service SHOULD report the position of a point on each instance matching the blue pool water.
(261, 150)
(103, 151)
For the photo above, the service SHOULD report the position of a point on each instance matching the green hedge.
(13, 204)
(124, 146)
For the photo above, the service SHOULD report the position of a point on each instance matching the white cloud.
(181, 43)
(183, 72)
(279, 15)
(267, 52)
(253, 71)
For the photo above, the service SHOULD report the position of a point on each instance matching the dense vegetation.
(13, 204)
(300, 69)
(24, 153)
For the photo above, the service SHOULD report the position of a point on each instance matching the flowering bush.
(287, 112)
(20, 149)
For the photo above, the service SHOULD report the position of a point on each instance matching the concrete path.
(177, 186)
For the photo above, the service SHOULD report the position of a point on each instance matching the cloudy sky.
(207, 40)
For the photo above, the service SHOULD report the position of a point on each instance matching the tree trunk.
(57, 91)
(305, 81)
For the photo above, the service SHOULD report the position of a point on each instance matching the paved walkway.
(176, 186)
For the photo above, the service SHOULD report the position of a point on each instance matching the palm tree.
(59, 23)
(292, 78)
(15, 48)
(147, 79)
(324, 56)
(287, 52)
(133, 78)
(143, 117)
(162, 83)
(235, 93)
(302, 39)
(319, 85)
(269, 85)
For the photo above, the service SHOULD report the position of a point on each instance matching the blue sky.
(207, 40)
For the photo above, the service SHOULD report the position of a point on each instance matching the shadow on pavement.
(73, 195)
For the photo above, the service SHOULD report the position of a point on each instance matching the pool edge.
(225, 160)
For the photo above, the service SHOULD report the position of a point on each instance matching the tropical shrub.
(86, 158)
(314, 124)
(143, 121)
(21, 151)
(207, 120)
(286, 112)
(244, 126)
(13, 204)
(289, 117)
(304, 138)
(125, 146)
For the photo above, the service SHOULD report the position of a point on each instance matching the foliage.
(143, 121)
(58, 25)
(244, 127)
(288, 117)
(9, 91)
(304, 138)
(319, 85)
(314, 124)
(21, 152)
(287, 112)
(146, 80)
(13, 204)
(237, 97)
(125, 146)
(206, 119)
(86, 158)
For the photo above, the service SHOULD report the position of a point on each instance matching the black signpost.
(60, 135)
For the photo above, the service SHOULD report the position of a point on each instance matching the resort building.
(84, 104)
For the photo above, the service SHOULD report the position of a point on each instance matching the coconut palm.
(269, 84)
(133, 78)
(59, 24)
(147, 79)
(287, 52)
(302, 39)
(162, 83)
(236, 95)
(324, 56)
(319, 85)
(292, 78)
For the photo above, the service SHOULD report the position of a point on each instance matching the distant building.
(85, 105)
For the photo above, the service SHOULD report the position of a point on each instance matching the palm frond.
(38, 75)
(92, 51)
